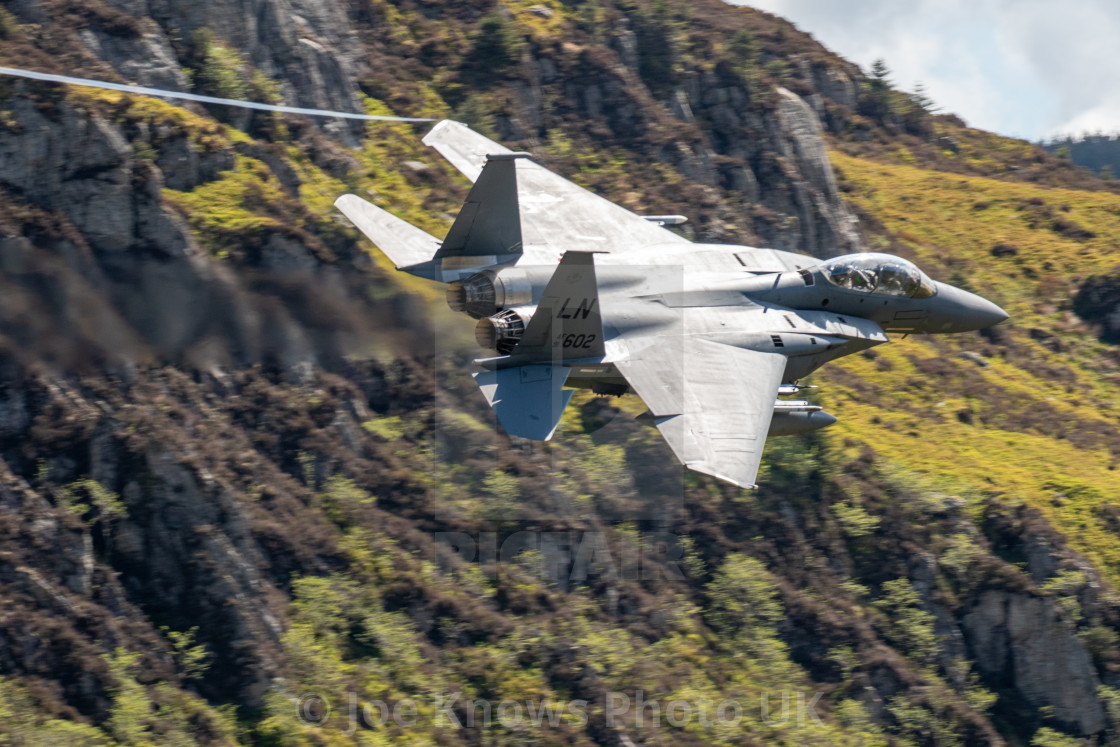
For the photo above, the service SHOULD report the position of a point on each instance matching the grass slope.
(1026, 421)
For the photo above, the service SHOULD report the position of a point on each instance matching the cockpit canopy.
(878, 273)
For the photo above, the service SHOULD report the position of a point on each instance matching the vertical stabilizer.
(567, 324)
(489, 225)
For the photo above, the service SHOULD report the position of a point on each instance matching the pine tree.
(922, 100)
(877, 99)
(880, 74)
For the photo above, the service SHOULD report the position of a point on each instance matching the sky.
(1025, 68)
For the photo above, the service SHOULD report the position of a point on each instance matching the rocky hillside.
(245, 483)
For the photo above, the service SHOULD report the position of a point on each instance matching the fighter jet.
(572, 291)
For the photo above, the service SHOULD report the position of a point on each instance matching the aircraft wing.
(712, 403)
(463, 147)
(556, 214)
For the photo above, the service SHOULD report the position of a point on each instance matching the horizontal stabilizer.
(402, 242)
(528, 400)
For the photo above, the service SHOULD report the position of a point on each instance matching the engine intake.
(502, 331)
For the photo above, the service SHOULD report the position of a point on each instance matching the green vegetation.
(7, 23)
(1047, 737)
(658, 33)
(23, 723)
(234, 207)
(744, 603)
(742, 56)
(498, 44)
(190, 658)
(139, 715)
(910, 628)
(1017, 403)
(102, 503)
(878, 100)
(221, 70)
(1097, 152)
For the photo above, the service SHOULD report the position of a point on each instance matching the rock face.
(82, 165)
(1026, 642)
(145, 58)
(773, 158)
(184, 548)
(49, 573)
(135, 284)
(305, 45)
(127, 245)
(824, 225)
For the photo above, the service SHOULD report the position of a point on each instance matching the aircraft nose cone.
(985, 313)
(961, 311)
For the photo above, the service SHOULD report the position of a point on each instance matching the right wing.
(712, 403)
(556, 215)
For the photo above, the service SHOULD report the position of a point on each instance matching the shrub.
(854, 520)
(220, 70)
(8, 24)
(1047, 737)
(743, 597)
(910, 627)
(497, 44)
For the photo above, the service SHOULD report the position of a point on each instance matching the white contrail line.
(144, 91)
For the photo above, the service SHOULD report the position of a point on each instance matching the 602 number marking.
(582, 342)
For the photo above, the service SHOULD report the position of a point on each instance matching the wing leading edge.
(713, 405)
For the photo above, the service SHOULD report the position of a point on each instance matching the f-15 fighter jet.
(573, 291)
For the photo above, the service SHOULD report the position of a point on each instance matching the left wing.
(713, 404)
(556, 215)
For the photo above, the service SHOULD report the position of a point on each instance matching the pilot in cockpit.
(878, 273)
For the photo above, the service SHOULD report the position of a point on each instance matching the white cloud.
(1103, 118)
(1027, 68)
